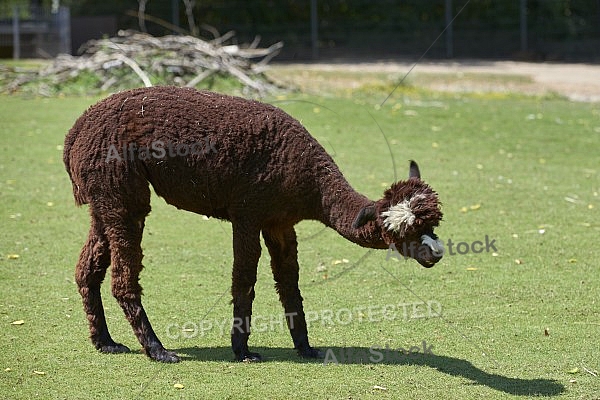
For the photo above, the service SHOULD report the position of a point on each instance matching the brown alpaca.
(234, 159)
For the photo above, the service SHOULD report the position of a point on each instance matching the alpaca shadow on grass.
(361, 355)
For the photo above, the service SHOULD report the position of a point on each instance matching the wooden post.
(523, 24)
(449, 30)
(15, 33)
(175, 13)
(64, 30)
(314, 29)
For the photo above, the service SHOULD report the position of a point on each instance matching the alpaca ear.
(414, 170)
(365, 215)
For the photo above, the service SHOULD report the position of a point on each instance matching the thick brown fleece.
(252, 164)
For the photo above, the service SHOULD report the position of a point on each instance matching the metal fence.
(526, 32)
(35, 33)
(539, 30)
(526, 29)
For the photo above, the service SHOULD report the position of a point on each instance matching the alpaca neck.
(340, 204)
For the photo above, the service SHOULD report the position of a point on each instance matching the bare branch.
(189, 12)
(211, 29)
(176, 59)
(136, 68)
(200, 77)
(159, 21)
(141, 14)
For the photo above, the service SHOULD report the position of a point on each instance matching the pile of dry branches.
(172, 60)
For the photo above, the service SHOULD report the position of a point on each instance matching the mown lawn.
(519, 319)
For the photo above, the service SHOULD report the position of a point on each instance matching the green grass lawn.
(522, 321)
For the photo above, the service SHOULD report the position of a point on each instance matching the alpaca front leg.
(246, 252)
(136, 315)
(283, 249)
(125, 240)
(89, 274)
(240, 331)
(291, 300)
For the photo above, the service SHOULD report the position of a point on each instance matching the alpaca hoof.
(168, 357)
(114, 348)
(163, 355)
(250, 357)
(310, 353)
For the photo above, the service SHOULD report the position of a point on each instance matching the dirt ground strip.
(578, 82)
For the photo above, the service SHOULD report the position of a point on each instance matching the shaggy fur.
(258, 168)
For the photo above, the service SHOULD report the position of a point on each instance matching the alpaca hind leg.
(283, 249)
(246, 252)
(124, 228)
(89, 274)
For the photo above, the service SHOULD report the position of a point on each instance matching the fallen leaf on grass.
(377, 387)
(18, 322)
(342, 261)
(39, 372)
(572, 260)
(7, 369)
(12, 256)
(471, 269)
(473, 207)
(518, 261)
(321, 268)
(546, 332)
(178, 386)
(574, 370)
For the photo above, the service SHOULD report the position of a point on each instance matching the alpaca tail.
(78, 193)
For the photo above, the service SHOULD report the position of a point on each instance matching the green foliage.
(563, 18)
(518, 324)
(7, 8)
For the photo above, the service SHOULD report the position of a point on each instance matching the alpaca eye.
(418, 222)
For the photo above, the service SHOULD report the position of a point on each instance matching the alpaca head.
(406, 217)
